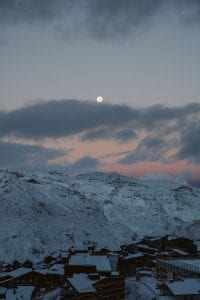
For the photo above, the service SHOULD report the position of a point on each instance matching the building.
(55, 276)
(187, 289)
(127, 264)
(94, 286)
(85, 263)
(80, 286)
(23, 276)
(184, 244)
(178, 268)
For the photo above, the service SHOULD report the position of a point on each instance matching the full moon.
(99, 99)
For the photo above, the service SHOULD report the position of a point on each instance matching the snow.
(181, 252)
(101, 262)
(186, 263)
(21, 292)
(57, 269)
(45, 212)
(82, 283)
(151, 283)
(20, 272)
(147, 247)
(189, 286)
(41, 271)
(16, 273)
(135, 255)
(137, 290)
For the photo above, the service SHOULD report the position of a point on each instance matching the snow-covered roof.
(147, 247)
(153, 238)
(179, 251)
(20, 272)
(3, 274)
(41, 271)
(101, 262)
(115, 273)
(57, 269)
(189, 286)
(184, 263)
(82, 283)
(21, 292)
(144, 272)
(16, 273)
(135, 255)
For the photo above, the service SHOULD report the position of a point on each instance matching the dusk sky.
(142, 56)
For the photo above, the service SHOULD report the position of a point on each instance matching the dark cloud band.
(55, 119)
(165, 127)
(100, 19)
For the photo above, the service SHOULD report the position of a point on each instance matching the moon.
(99, 99)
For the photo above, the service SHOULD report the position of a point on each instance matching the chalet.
(55, 276)
(80, 286)
(94, 286)
(127, 264)
(147, 250)
(187, 289)
(184, 244)
(89, 264)
(178, 268)
(157, 242)
(22, 276)
(130, 248)
(111, 287)
(162, 243)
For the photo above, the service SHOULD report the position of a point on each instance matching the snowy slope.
(49, 211)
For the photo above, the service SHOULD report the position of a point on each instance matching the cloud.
(86, 164)
(104, 133)
(53, 119)
(97, 134)
(62, 118)
(149, 149)
(176, 132)
(99, 19)
(125, 135)
(15, 155)
(155, 131)
(190, 143)
(28, 11)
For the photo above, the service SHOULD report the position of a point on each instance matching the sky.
(142, 56)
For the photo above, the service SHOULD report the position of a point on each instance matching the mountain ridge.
(44, 212)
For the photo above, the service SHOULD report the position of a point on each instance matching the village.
(163, 267)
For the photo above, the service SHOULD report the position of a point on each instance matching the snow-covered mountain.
(49, 211)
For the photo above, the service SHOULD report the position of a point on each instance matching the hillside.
(48, 211)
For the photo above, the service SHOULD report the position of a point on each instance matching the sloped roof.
(82, 283)
(189, 286)
(101, 262)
